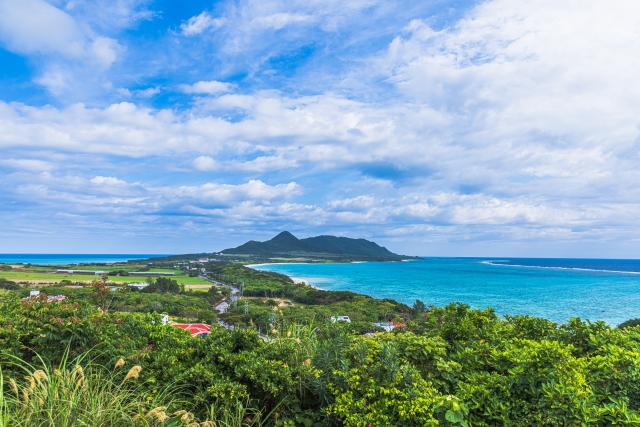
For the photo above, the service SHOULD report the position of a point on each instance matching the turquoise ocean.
(556, 289)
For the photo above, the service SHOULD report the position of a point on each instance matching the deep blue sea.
(556, 289)
(60, 259)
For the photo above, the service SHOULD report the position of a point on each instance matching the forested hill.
(286, 244)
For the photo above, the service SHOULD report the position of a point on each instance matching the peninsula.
(286, 246)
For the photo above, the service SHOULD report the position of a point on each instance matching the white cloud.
(148, 92)
(200, 23)
(105, 50)
(29, 26)
(211, 87)
(520, 120)
(72, 55)
(205, 163)
(259, 164)
(107, 180)
(253, 190)
(277, 21)
(30, 165)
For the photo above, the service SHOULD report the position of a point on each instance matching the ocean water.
(556, 289)
(63, 259)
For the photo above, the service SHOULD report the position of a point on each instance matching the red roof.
(195, 328)
(397, 324)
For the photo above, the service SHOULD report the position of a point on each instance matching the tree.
(101, 292)
(629, 323)
(419, 306)
(8, 285)
(163, 285)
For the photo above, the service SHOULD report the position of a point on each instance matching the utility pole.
(273, 319)
(246, 307)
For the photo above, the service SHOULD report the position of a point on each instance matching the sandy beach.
(306, 282)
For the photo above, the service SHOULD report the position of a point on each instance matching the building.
(341, 319)
(223, 307)
(89, 272)
(196, 329)
(36, 293)
(389, 326)
(139, 286)
(151, 273)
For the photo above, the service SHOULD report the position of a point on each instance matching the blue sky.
(471, 128)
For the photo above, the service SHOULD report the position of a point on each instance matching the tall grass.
(74, 394)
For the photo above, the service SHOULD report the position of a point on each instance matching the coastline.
(305, 282)
(296, 280)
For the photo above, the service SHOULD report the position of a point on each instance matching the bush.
(456, 367)
(9, 285)
(629, 323)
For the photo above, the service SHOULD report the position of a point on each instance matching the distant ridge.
(286, 244)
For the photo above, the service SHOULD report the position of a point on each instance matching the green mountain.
(345, 245)
(286, 245)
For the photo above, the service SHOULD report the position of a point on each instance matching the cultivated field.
(41, 277)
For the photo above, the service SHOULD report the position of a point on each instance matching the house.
(36, 293)
(196, 329)
(341, 319)
(384, 325)
(203, 260)
(223, 307)
(389, 326)
(139, 286)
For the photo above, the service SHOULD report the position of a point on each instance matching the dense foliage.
(287, 245)
(452, 366)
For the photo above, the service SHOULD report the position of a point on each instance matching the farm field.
(127, 268)
(19, 276)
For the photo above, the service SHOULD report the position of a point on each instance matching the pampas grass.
(74, 394)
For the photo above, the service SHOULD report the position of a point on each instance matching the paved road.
(234, 290)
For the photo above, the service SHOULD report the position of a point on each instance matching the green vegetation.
(288, 365)
(631, 323)
(286, 245)
(452, 367)
(40, 276)
(305, 303)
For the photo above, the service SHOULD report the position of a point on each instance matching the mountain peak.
(327, 247)
(284, 237)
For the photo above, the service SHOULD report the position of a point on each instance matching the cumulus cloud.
(148, 92)
(31, 26)
(200, 23)
(30, 165)
(107, 180)
(259, 164)
(277, 21)
(518, 120)
(211, 87)
(70, 52)
(36, 26)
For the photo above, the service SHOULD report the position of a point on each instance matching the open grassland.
(23, 276)
(128, 268)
